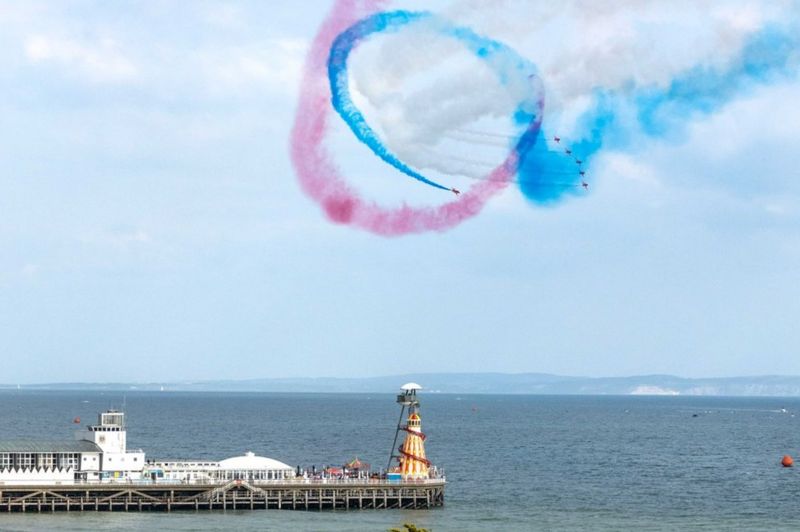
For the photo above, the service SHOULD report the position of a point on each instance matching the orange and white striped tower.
(413, 464)
(411, 454)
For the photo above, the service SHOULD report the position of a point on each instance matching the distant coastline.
(480, 383)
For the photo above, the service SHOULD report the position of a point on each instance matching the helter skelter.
(412, 463)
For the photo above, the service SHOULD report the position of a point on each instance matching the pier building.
(42, 462)
(99, 453)
(116, 461)
(248, 467)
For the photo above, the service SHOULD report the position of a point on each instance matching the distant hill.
(499, 383)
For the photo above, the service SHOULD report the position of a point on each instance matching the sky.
(152, 226)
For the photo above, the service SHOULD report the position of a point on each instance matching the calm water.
(513, 462)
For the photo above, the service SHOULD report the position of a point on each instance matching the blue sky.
(152, 227)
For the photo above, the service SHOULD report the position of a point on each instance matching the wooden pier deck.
(235, 495)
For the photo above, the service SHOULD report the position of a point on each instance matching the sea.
(512, 462)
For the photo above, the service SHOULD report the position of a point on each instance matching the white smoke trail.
(582, 45)
(419, 87)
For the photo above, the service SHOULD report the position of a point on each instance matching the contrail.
(321, 179)
(618, 105)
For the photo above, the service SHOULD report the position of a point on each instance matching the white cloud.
(227, 16)
(628, 168)
(120, 239)
(101, 61)
(30, 270)
(275, 63)
(580, 45)
(781, 207)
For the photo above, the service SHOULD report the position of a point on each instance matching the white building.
(252, 467)
(247, 467)
(100, 455)
(117, 461)
(48, 462)
(94, 456)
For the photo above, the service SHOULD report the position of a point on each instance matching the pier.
(234, 495)
(98, 472)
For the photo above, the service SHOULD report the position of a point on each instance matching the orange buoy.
(77, 420)
(787, 461)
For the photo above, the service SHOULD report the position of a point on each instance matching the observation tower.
(412, 463)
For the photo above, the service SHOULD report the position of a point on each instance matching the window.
(68, 460)
(24, 460)
(6, 461)
(46, 460)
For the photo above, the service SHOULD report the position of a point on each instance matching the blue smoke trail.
(507, 64)
(616, 117)
(546, 177)
(764, 57)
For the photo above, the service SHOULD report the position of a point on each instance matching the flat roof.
(47, 446)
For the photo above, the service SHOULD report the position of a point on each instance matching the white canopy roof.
(410, 386)
(252, 462)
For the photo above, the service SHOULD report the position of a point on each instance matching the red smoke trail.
(318, 174)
